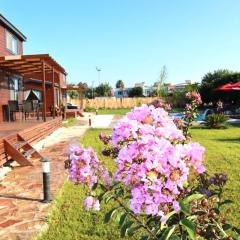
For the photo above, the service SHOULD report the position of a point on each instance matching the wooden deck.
(31, 130)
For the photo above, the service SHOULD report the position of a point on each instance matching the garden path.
(22, 214)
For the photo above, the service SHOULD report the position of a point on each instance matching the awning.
(226, 87)
(28, 64)
(229, 87)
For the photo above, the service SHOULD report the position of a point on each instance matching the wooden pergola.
(80, 89)
(28, 65)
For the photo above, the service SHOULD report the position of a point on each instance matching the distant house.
(171, 88)
(121, 92)
(147, 90)
(182, 86)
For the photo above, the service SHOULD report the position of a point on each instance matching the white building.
(121, 92)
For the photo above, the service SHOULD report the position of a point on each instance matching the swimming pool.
(201, 115)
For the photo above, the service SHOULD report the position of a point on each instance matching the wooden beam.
(44, 91)
(53, 93)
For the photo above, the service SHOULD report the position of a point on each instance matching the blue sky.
(131, 39)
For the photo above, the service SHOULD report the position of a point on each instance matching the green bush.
(216, 120)
(90, 109)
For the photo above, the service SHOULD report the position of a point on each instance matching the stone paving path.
(22, 214)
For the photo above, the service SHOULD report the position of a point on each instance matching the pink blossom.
(91, 203)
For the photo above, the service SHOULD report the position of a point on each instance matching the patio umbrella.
(226, 87)
(235, 86)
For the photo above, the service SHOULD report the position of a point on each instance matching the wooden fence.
(112, 103)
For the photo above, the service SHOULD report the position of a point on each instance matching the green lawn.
(69, 220)
(69, 122)
(114, 111)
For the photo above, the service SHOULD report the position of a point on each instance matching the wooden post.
(44, 91)
(53, 94)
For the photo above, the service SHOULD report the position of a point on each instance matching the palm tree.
(120, 84)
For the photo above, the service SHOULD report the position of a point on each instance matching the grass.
(70, 122)
(68, 219)
(114, 111)
(222, 155)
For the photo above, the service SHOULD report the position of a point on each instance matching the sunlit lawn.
(69, 220)
(120, 111)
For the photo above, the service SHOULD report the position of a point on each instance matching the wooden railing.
(32, 135)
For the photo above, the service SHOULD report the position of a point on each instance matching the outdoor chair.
(13, 107)
(27, 107)
(36, 107)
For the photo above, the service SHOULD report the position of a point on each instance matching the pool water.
(201, 115)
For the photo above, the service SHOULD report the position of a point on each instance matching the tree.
(161, 89)
(73, 94)
(136, 92)
(120, 84)
(103, 90)
(212, 80)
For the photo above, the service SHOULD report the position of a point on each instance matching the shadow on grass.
(237, 140)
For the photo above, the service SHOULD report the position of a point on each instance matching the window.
(13, 88)
(57, 97)
(12, 43)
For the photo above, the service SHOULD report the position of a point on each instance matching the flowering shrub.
(190, 112)
(151, 186)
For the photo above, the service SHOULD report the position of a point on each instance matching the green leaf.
(107, 196)
(226, 227)
(175, 237)
(122, 219)
(193, 197)
(190, 227)
(109, 215)
(184, 207)
(94, 186)
(167, 233)
(144, 237)
(131, 231)
(107, 199)
(125, 227)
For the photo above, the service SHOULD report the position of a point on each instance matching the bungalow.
(28, 83)
(27, 77)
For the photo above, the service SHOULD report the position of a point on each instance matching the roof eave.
(12, 28)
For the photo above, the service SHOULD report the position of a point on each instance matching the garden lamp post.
(46, 179)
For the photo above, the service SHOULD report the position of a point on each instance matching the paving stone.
(22, 214)
(8, 223)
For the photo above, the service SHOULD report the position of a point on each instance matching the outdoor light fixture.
(46, 179)
(89, 121)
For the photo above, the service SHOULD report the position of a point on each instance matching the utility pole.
(98, 71)
(92, 88)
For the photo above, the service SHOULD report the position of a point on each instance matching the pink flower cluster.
(85, 168)
(160, 103)
(153, 162)
(195, 97)
(84, 165)
(145, 120)
(91, 203)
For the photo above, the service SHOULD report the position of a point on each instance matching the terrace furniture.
(36, 107)
(27, 107)
(13, 107)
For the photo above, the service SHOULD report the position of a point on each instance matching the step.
(20, 144)
(29, 152)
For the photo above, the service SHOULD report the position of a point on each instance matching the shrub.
(89, 109)
(152, 188)
(216, 120)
